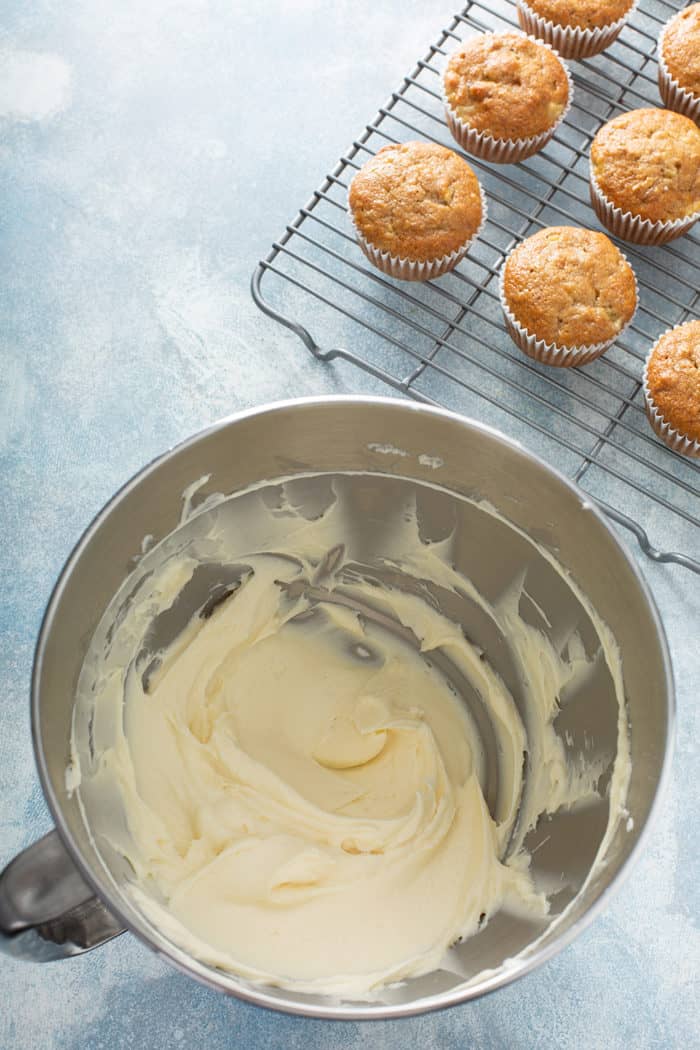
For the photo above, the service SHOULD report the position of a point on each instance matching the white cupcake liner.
(662, 428)
(504, 151)
(673, 95)
(631, 227)
(551, 353)
(414, 269)
(571, 41)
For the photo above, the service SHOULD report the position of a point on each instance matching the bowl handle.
(47, 911)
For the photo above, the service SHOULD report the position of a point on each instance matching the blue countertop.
(150, 152)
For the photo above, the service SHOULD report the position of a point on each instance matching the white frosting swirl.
(297, 786)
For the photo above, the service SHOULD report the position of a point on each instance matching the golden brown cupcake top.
(680, 48)
(506, 85)
(416, 201)
(647, 162)
(584, 14)
(673, 378)
(570, 286)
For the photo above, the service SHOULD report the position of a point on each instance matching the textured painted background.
(149, 153)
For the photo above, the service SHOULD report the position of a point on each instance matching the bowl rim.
(258, 994)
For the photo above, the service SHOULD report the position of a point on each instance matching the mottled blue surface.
(149, 153)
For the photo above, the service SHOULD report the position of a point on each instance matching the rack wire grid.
(444, 342)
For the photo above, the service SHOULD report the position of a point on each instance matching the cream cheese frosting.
(301, 793)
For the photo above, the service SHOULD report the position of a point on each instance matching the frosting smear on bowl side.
(317, 778)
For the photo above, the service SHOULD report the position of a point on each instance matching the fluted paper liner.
(662, 428)
(551, 353)
(415, 269)
(571, 41)
(504, 151)
(673, 95)
(634, 228)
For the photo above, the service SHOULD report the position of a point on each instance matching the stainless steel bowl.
(57, 899)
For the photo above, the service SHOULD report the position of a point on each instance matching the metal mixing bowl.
(57, 899)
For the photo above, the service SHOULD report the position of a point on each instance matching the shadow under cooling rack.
(444, 342)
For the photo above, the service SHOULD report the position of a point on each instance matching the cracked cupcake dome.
(505, 95)
(416, 207)
(567, 294)
(645, 175)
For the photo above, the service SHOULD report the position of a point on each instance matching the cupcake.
(576, 28)
(672, 388)
(679, 63)
(416, 207)
(645, 175)
(505, 95)
(567, 294)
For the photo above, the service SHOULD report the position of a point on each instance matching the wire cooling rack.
(444, 342)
